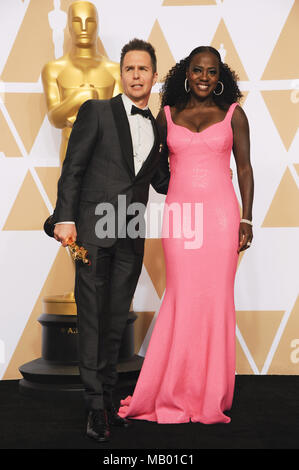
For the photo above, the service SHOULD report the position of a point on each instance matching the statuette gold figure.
(81, 74)
(79, 253)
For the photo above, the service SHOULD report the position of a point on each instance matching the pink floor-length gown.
(189, 368)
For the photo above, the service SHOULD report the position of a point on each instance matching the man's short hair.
(139, 45)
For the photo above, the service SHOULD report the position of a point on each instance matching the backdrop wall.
(259, 40)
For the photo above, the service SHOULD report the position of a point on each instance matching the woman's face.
(203, 74)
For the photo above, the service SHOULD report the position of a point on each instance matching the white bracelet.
(246, 221)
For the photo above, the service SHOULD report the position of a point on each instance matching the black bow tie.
(144, 112)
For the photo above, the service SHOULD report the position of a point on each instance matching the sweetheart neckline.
(195, 132)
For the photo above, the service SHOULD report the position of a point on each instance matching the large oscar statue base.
(56, 373)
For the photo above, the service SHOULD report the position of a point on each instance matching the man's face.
(137, 76)
(83, 24)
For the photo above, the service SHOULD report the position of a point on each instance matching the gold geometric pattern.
(242, 364)
(165, 58)
(154, 103)
(49, 178)
(283, 63)
(33, 46)
(284, 112)
(287, 351)
(222, 41)
(29, 210)
(8, 144)
(258, 329)
(60, 280)
(17, 105)
(284, 209)
(141, 325)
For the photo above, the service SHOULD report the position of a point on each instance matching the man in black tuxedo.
(113, 150)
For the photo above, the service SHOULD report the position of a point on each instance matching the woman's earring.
(222, 88)
(186, 83)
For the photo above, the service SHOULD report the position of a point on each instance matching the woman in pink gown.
(189, 368)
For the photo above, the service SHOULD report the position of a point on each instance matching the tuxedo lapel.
(124, 133)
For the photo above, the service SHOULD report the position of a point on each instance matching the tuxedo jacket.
(99, 166)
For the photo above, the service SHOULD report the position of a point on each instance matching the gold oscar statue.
(81, 74)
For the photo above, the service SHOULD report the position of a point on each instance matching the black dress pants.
(103, 293)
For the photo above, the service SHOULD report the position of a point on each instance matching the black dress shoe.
(115, 420)
(98, 426)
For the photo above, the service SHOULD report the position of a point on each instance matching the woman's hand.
(245, 236)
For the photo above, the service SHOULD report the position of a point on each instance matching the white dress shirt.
(142, 134)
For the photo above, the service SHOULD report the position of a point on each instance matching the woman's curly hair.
(173, 91)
